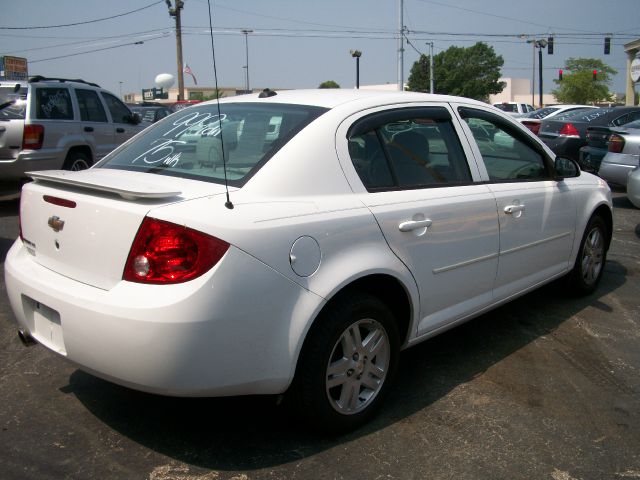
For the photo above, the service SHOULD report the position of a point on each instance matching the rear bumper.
(29, 160)
(220, 334)
(564, 146)
(615, 167)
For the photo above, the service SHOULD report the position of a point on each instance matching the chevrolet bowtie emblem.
(55, 223)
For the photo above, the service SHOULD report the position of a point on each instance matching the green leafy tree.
(472, 72)
(329, 84)
(577, 84)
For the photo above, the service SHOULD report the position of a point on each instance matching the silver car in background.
(623, 154)
(633, 187)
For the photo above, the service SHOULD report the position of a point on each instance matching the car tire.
(589, 266)
(346, 365)
(76, 161)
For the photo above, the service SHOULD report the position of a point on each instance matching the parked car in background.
(566, 133)
(633, 187)
(55, 123)
(514, 108)
(532, 120)
(622, 153)
(301, 259)
(180, 104)
(150, 112)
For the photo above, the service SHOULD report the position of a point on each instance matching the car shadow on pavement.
(248, 433)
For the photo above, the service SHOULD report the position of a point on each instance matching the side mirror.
(566, 168)
(135, 118)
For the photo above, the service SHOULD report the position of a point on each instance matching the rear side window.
(91, 109)
(119, 111)
(198, 143)
(415, 150)
(53, 104)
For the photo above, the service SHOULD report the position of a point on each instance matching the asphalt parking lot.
(547, 387)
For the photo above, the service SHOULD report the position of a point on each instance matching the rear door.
(96, 128)
(420, 187)
(537, 213)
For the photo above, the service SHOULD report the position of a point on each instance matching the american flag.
(187, 70)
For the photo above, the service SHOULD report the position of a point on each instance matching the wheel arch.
(389, 289)
(604, 212)
(86, 149)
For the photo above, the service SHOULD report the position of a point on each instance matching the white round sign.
(635, 69)
(164, 80)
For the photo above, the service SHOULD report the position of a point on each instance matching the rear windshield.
(583, 115)
(506, 107)
(198, 143)
(13, 105)
(540, 113)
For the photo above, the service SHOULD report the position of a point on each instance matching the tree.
(578, 85)
(329, 84)
(472, 72)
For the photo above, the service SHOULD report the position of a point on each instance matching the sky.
(299, 43)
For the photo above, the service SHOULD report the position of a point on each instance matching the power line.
(82, 23)
(96, 50)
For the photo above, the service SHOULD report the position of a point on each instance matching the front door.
(421, 190)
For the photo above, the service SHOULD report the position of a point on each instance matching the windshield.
(190, 144)
(13, 102)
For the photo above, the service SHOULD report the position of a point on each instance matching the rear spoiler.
(128, 185)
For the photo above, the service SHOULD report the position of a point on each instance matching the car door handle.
(511, 209)
(414, 225)
(120, 130)
(88, 129)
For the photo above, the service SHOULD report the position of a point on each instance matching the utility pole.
(430, 66)
(175, 12)
(400, 45)
(246, 32)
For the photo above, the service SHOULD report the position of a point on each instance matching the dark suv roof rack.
(40, 78)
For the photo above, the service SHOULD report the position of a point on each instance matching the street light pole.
(246, 33)
(357, 54)
(120, 90)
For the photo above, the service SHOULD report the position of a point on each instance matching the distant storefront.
(633, 70)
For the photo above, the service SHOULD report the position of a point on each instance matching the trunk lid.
(82, 224)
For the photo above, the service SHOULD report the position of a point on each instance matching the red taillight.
(165, 253)
(616, 143)
(32, 137)
(533, 126)
(569, 130)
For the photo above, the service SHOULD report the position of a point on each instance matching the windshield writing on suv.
(190, 144)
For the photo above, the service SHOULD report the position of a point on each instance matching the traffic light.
(595, 75)
(560, 75)
(550, 45)
(607, 45)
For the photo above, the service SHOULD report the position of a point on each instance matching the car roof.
(334, 97)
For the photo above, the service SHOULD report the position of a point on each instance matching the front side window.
(119, 111)
(506, 152)
(200, 144)
(91, 109)
(53, 104)
(414, 150)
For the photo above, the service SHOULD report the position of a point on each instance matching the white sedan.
(215, 255)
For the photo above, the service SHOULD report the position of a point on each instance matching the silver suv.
(53, 123)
